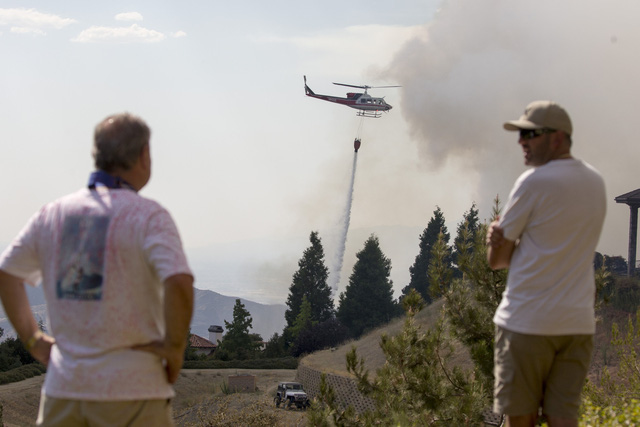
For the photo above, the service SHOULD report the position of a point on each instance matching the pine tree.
(303, 321)
(310, 281)
(238, 343)
(420, 268)
(463, 243)
(368, 299)
(472, 300)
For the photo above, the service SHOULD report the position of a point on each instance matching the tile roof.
(197, 341)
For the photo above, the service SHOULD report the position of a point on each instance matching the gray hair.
(118, 142)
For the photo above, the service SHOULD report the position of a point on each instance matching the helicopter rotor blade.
(356, 86)
(365, 87)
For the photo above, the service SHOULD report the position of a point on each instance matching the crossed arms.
(500, 249)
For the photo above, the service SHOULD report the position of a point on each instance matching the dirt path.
(199, 399)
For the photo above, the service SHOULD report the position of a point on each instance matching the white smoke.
(479, 63)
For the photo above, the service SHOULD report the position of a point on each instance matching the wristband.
(33, 340)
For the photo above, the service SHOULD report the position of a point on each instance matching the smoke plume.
(478, 64)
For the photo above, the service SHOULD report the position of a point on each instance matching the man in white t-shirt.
(546, 236)
(118, 288)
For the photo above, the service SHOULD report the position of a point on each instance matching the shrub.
(22, 373)
(416, 385)
(626, 414)
(280, 363)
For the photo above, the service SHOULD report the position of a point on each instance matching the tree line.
(313, 322)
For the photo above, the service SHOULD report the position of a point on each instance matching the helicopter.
(367, 105)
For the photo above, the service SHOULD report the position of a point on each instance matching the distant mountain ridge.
(210, 308)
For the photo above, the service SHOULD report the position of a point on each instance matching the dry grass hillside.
(334, 360)
(368, 347)
(199, 400)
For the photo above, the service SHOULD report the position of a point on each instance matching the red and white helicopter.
(367, 105)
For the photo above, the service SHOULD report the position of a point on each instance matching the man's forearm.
(500, 250)
(178, 309)
(16, 305)
(500, 257)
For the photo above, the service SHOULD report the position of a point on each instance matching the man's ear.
(557, 140)
(145, 157)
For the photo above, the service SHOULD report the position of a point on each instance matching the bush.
(415, 387)
(22, 373)
(627, 414)
(280, 363)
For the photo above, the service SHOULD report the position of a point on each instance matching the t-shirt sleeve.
(518, 210)
(20, 258)
(163, 247)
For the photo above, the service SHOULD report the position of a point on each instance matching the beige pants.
(533, 371)
(70, 413)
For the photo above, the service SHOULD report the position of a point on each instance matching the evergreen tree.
(274, 347)
(238, 343)
(303, 321)
(310, 281)
(463, 243)
(329, 333)
(368, 299)
(472, 300)
(420, 268)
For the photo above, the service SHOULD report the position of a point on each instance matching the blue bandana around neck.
(104, 179)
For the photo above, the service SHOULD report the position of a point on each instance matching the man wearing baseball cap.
(546, 236)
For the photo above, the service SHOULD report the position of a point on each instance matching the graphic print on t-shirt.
(81, 262)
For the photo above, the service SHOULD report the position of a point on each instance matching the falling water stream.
(336, 265)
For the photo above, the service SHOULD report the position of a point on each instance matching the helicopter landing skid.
(372, 114)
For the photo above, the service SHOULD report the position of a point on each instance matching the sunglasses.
(528, 134)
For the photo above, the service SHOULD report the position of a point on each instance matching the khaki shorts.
(70, 413)
(533, 371)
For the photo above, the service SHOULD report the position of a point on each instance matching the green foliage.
(275, 347)
(368, 298)
(463, 243)
(420, 268)
(329, 333)
(326, 411)
(13, 354)
(472, 299)
(275, 363)
(310, 281)
(614, 391)
(620, 292)
(238, 343)
(415, 387)
(626, 414)
(22, 373)
(191, 353)
(304, 319)
(224, 388)
(617, 265)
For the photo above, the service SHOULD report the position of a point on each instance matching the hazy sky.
(248, 165)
